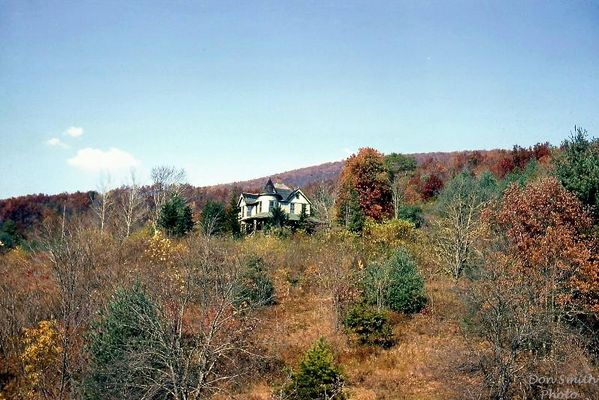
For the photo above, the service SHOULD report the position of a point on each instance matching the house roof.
(280, 190)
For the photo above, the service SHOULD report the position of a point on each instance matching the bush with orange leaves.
(549, 231)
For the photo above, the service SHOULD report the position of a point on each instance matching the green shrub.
(121, 343)
(412, 214)
(395, 284)
(371, 326)
(255, 287)
(318, 377)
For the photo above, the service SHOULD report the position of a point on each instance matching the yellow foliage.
(41, 352)
(389, 233)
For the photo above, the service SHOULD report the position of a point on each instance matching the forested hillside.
(467, 275)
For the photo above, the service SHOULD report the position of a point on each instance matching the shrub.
(120, 346)
(255, 287)
(395, 284)
(412, 214)
(318, 377)
(371, 326)
(388, 233)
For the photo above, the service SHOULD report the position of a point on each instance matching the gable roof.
(280, 190)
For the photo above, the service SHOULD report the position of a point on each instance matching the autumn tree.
(365, 174)
(458, 225)
(132, 205)
(324, 202)
(102, 201)
(548, 229)
(538, 279)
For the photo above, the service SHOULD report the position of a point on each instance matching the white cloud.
(74, 131)
(97, 160)
(54, 142)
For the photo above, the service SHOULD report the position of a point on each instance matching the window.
(297, 195)
(249, 211)
(303, 208)
(292, 208)
(271, 205)
(260, 207)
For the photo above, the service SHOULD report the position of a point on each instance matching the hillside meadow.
(471, 279)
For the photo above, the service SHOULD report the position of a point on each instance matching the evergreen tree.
(120, 344)
(278, 217)
(232, 224)
(354, 215)
(212, 219)
(175, 217)
(577, 168)
(318, 377)
(395, 284)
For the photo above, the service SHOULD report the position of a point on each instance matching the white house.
(255, 208)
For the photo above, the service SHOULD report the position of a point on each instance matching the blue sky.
(236, 90)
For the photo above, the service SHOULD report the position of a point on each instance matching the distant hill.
(28, 211)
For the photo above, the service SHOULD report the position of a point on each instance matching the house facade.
(255, 208)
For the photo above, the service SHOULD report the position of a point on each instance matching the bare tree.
(166, 181)
(74, 257)
(132, 204)
(459, 226)
(324, 201)
(102, 200)
(398, 186)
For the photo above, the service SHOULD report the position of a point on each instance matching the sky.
(232, 90)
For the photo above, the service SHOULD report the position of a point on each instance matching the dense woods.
(467, 275)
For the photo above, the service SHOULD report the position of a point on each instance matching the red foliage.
(365, 173)
(546, 228)
(432, 186)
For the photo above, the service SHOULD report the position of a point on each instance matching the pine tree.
(117, 342)
(232, 225)
(175, 217)
(318, 377)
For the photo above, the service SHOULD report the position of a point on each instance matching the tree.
(176, 217)
(399, 167)
(458, 225)
(577, 168)
(318, 377)
(364, 175)
(132, 204)
(539, 279)
(371, 326)
(548, 229)
(324, 202)
(431, 187)
(278, 218)
(102, 201)
(166, 182)
(352, 216)
(212, 219)
(232, 224)
(395, 284)
(125, 332)
(255, 288)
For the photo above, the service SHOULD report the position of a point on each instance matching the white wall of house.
(263, 203)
